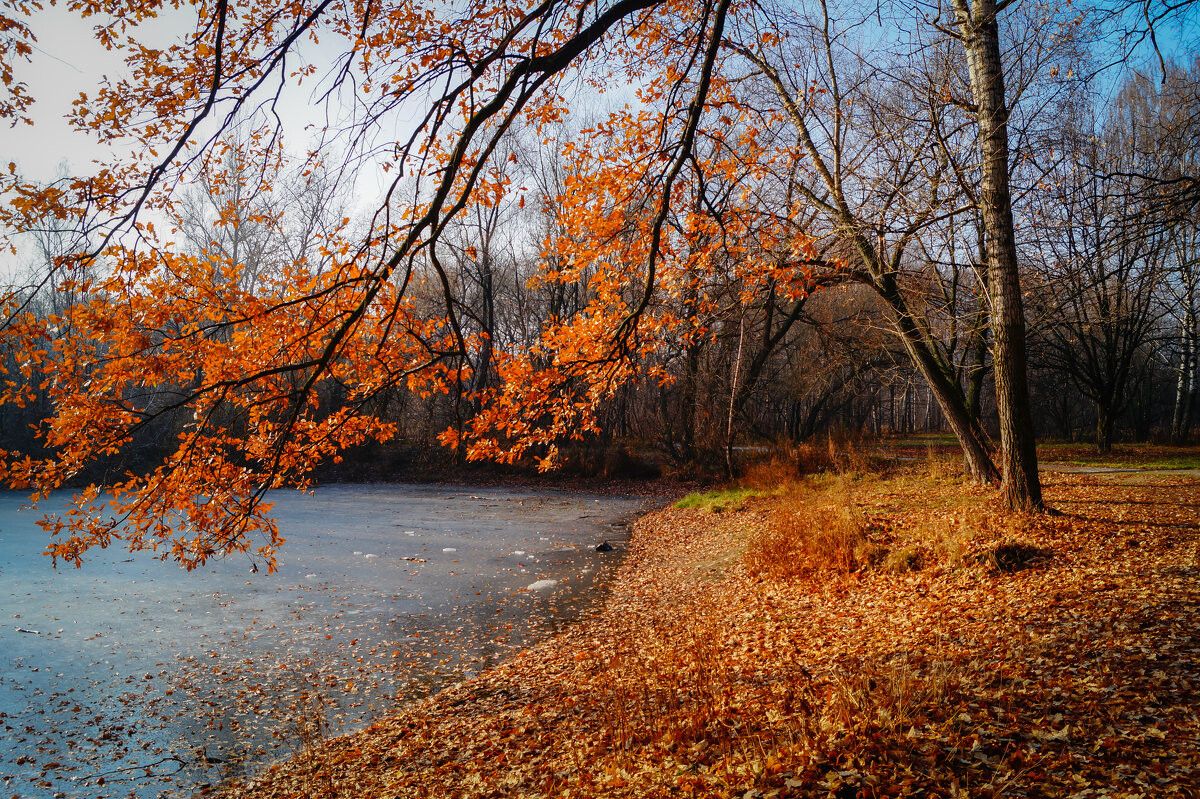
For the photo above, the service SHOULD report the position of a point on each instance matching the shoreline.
(584, 602)
(457, 694)
(699, 678)
(254, 657)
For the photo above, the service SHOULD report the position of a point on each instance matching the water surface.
(132, 676)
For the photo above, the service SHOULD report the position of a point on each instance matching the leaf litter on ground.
(1018, 656)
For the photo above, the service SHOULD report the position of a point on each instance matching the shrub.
(777, 471)
(845, 456)
(811, 458)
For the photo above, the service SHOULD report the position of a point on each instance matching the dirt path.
(1077, 468)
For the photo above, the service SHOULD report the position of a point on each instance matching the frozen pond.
(131, 676)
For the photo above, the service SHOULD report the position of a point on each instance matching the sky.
(68, 59)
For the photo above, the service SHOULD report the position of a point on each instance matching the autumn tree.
(683, 215)
(246, 358)
(872, 173)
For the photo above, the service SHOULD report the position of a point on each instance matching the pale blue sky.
(68, 59)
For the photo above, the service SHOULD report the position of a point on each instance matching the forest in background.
(1108, 214)
(621, 236)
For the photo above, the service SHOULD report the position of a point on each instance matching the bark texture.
(979, 30)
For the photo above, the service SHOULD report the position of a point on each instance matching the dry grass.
(846, 455)
(832, 525)
(675, 701)
(811, 458)
(781, 471)
(946, 540)
(692, 703)
(311, 730)
(789, 461)
(889, 696)
(810, 532)
(902, 559)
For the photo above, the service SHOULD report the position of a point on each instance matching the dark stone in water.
(605, 547)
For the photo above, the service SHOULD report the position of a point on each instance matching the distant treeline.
(1109, 237)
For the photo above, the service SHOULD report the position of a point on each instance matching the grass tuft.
(903, 559)
(838, 524)
(846, 456)
(810, 533)
(719, 500)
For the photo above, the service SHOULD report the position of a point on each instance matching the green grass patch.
(1123, 456)
(721, 499)
(1164, 463)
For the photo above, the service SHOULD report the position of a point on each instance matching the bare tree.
(877, 180)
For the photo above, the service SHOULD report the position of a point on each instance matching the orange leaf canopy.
(250, 376)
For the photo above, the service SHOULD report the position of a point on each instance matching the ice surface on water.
(136, 653)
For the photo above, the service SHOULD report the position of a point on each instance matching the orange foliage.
(665, 200)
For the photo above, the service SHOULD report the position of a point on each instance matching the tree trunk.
(1020, 484)
(733, 388)
(949, 398)
(1104, 429)
(942, 385)
(970, 437)
(976, 371)
(1185, 386)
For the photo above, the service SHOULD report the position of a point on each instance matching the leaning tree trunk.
(976, 370)
(980, 34)
(944, 389)
(965, 428)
